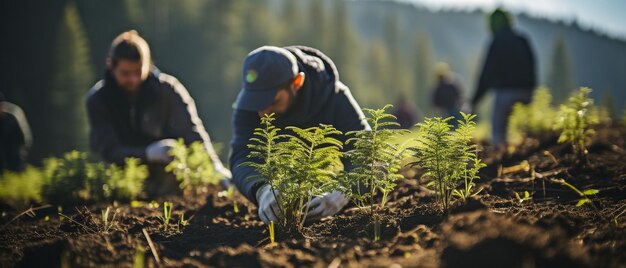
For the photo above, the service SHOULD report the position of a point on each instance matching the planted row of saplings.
(75, 178)
(300, 164)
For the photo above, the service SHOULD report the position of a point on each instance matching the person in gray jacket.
(138, 111)
(15, 136)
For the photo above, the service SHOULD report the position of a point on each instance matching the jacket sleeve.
(487, 74)
(531, 58)
(103, 139)
(349, 117)
(185, 123)
(244, 177)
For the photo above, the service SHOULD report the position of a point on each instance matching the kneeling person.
(137, 111)
(301, 86)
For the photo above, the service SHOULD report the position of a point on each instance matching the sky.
(606, 16)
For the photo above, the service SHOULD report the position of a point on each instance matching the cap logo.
(251, 76)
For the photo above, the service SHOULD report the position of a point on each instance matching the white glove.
(467, 108)
(158, 151)
(327, 205)
(268, 205)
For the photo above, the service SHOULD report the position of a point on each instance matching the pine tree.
(423, 66)
(561, 77)
(70, 83)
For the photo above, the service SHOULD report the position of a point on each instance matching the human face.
(282, 102)
(127, 73)
(285, 97)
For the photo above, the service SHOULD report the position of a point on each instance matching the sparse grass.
(108, 224)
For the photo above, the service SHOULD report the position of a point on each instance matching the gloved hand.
(326, 205)
(158, 151)
(268, 205)
(467, 108)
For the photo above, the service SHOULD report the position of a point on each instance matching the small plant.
(139, 260)
(182, 221)
(376, 162)
(574, 121)
(270, 227)
(584, 195)
(535, 119)
(230, 194)
(167, 215)
(446, 156)
(296, 166)
(108, 224)
(73, 179)
(470, 173)
(21, 187)
(66, 180)
(192, 166)
(125, 183)
(526, 197)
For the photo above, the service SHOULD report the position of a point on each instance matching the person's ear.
(298, 81)
(109, 63)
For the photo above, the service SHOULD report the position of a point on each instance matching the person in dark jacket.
(406, 112)
(509, 68)
(447, 93)
(137, 111)
(15, 136)
(301, 86)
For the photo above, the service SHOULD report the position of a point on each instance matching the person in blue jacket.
(301, 86)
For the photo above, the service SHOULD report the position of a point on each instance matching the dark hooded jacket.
(509, 64)
(121, 127)
(323, 99)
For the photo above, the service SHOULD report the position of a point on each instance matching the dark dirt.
(492, 230)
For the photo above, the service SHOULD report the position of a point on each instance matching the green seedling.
(535, 119)
(270, 227)
(469, 175)
(182, 221)
(192, 166)
(73, 179)
(108, 224)
(297, 166)
(447, 157)
(167, 215)
(139, 259)
(376, 162)
(584, 195)
(526, 197)
(377, 230)
(230, 194)
(575, 121)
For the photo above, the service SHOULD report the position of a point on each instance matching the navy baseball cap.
(265, 69)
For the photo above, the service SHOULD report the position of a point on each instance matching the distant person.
(405, 112)
(137, 111)
(301, 86)
(15, 137)
(509, 69)
(448, 93)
